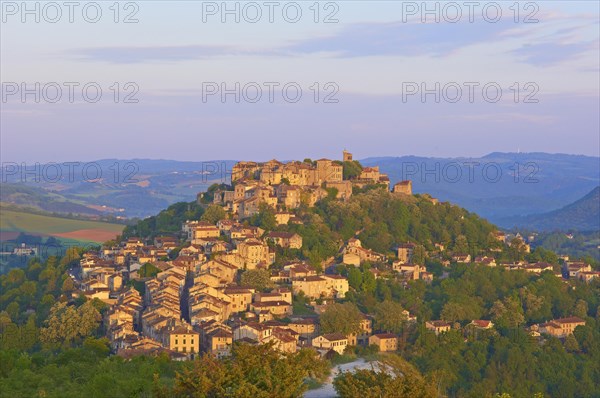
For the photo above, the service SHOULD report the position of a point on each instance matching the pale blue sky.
(371, 54)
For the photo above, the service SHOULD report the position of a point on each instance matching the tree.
(61, 325)
(68, 285)
(71, 257)
(453, 312)
(250, 371)
(9, 332)
(389, 316)
(213, 214)
(148, 270)
(67, 324)
(29, 333)
(13, 310)
(355, 278)
(341, 318)
(394, 378)
(419, 255)
(369, 283)
(517, 249)
(258, 279)
(14, 278)
(581, 308)
(532, 304)
(508, 313)
(571, 344)
(461, 245)
(265, 218)
(351, 169)
(28, 290)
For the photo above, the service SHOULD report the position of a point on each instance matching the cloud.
(353, 40)
(511, 117)
(127, 55)
(404, 39)
(552, 53)
(557, 40)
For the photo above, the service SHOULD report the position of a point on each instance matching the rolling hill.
(527, 183)
(13, 222)
(141, 188)
(581, 215)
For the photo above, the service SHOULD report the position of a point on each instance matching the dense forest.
(469, 363)
(575, 244)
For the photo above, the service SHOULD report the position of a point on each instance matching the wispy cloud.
(353, 40)
(127, 55)
(510, 117)
(552, 53)
(557, 39)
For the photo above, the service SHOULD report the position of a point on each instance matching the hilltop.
(328, 202)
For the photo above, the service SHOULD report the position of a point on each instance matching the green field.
(35, 224)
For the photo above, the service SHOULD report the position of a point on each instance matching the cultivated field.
(34, 224)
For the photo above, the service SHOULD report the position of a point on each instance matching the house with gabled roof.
(332, 341)
(384, 341)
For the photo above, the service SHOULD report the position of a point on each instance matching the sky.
(194, 80)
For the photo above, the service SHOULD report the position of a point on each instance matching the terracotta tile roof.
(334, 336)
(383, 336)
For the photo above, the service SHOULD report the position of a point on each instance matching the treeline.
(88, 370)
(28, 296)
(578, 244)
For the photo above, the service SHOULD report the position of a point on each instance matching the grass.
(35, 224)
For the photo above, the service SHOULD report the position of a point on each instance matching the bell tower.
(347, 156)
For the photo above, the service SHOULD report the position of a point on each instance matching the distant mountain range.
(131, 188)
(502, 187)
(582, 215)
(499, 186)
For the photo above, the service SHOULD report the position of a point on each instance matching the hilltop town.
(240, 273)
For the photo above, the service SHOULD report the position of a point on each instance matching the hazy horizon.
(316, 156)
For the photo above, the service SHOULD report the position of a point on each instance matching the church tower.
(347, 156)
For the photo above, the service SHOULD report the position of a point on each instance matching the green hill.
(13, 222)
(582, 215)
(380, 219)
(40, 199)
